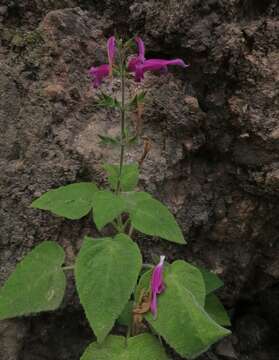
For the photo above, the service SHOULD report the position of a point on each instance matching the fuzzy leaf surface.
(106, 207)
(153, 218)
(106, 273)
(182, 320)
(186, 274)
(71, 201)
(37, 284)
(129, 177)
(133, 198)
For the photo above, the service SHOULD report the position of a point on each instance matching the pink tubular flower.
(98, 73)
(139, 59)
(156, 65)
(157, 285)
(138, 65)
(111, 49)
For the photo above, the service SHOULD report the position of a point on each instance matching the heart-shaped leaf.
(106, 273)
(38, 283)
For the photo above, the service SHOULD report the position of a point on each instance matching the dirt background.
(214, 160)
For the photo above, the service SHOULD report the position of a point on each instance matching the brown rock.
(54, 91)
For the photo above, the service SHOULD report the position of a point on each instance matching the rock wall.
(215, 149)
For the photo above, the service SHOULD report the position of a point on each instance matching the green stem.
(131, 230)
(123, 116)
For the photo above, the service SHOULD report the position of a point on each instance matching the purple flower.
(157, 285)
(139, 59)
(156, 65)
(111, 48)
(138, 65)
(98, 73)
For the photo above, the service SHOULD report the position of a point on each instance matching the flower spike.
(138, 65)
(156, 65)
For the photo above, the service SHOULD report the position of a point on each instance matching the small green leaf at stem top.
(129, 177)
(106, 273)
(109, 140)
(130, 44)
(71, 201)
(38, 283)
(143, 346)
(108, 101)
(137, 99)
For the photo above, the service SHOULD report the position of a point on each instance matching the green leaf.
(106, 273)
(144, 346)
(126, 316)
(108, 101)
(186, 274)
(109, 140)
(181, 320)
(216, 310)
(71, 201)
(141, 96)
(153, 218)
(132, 199)
(37, 284)
(212, 281)
(129, 43)
(129, 177)
(132, 140)
(106, 207)
(137, 99)
(189, 277)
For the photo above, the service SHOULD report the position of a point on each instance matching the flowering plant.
(171, 301)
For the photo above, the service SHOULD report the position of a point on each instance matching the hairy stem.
(123, 116)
